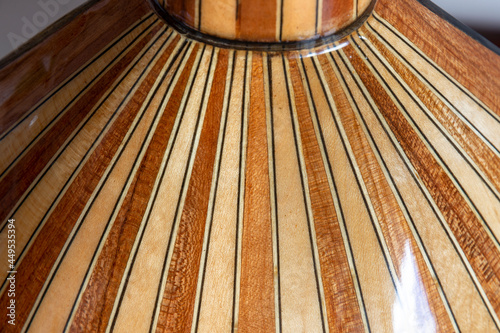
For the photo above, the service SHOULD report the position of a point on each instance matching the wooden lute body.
(253, 166)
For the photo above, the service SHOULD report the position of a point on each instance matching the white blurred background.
(22, 19)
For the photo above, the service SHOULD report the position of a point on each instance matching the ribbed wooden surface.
(266, 20)
(173, 186)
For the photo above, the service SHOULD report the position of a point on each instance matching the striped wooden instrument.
(155, 181)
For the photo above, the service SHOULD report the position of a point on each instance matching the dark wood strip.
(176, 312)
(256, 20)
(29, 75)
(468, 230)
(342, 306)
(19, 178)
(479, 152)
(256, 309)
(336, 14)
(394, 226)
(474, 66)
(98, 299)
(183, 10)
(42, 255)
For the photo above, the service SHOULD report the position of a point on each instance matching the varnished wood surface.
(172, 186)
(266, 21)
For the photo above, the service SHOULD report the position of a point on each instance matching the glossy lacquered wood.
(265, 21)
(170, 185)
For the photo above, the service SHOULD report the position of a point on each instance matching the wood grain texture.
(267, 21)
(171, 185)
(27, 79)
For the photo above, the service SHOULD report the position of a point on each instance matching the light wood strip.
(297, 275)
(225, 28)
(268, 92)
(467, 228)
(299, 19)
(217, 301)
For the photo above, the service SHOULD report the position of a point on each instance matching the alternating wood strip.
(341, 302)
(49, 242)
(93, 313)
(479, 248)
(19, 178)
(467, 61)
(29, 74)
(176, 313)
(256, 304)
(480, 153)
(391, 219)
(256, 19)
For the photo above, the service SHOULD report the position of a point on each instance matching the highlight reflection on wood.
(174, 186)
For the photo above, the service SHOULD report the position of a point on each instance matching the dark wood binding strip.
(342, 306)
(98, 299)
(42, 255)
(336, 14)
(472, 65)
(477, 149)
(479, 248)
(176, 313)
(256, 19)
(28, 74)
(256, 304)
(396, 232)
(19, 178)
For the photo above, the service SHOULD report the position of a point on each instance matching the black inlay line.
(304, 196)
(241, 201)
(237, 12)
(271, 111)
(282, 6)
(356, 8)
(183, 49)
(439, 69)
(108, 173)
(314, 113)
(83, 68)
(417, 236)
(91, 149)
(216, 180)
(199, 14)
(68, 105)
(436, 123)
(77, 229)
(428, 83)
(358, 181)
(413, 174)
(445, 166)
(316, 17)
(183, 189)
